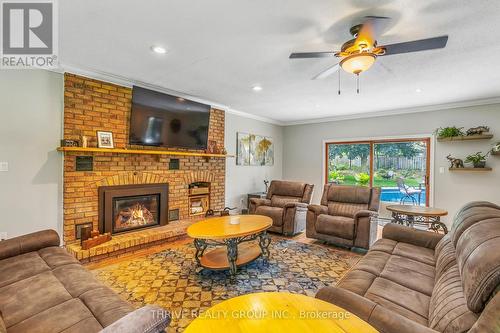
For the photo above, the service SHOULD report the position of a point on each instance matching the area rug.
(172, 279)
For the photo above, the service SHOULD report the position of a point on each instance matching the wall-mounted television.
(163, 120)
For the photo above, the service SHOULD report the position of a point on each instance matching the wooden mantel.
(138, 152)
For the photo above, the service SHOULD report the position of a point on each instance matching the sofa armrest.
(148, 319)
(376, 315)
(256, 202)
(364, 213)
(28, 243)
(318, 209)
(298, 205)
(401, 233)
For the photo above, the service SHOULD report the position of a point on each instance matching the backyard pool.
(392, 194)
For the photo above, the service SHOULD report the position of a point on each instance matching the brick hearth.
(92, 105)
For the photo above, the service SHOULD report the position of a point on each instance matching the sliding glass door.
(399, 167)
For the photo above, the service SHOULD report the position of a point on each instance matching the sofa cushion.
(106, 305)
(410, 273)
(25, 298)
(445, 256)
(338, 226)
(63, 317)
(414, 252)
(348, 194)
(470, 215)
(448, 312)
(478, 258)
(275, 213)
(20, 267)
(358, 281)
(281, 201)
(286, 188)
(395, 297)
(345, 209)
(56, 256)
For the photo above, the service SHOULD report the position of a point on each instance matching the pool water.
(392, 194)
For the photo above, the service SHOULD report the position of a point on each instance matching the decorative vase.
(480, 164)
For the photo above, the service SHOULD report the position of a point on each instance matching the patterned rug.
(172, 279)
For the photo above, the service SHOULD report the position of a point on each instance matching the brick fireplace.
(91, 105)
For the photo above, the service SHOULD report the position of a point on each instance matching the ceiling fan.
(359, 54)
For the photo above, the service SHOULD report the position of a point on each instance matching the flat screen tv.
(162, 120)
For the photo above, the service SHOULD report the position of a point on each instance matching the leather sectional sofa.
(344, 216)
(45, 289)
(286, 203)
(423, 282)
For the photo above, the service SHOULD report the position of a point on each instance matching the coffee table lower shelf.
(217, 258)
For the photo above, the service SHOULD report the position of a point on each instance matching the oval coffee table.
(217, 231)
(277, 312)
(411, 215)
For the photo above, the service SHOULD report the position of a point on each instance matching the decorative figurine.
(266, 183)
(478, 130)
(455, 162)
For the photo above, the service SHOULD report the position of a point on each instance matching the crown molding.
(129, 82)
(393, 112)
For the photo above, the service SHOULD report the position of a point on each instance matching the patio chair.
(408, 192)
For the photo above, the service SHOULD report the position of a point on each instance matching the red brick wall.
(92, 105)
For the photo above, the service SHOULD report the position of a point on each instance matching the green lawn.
(349, 179)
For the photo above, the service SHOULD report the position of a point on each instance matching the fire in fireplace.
(130, 207)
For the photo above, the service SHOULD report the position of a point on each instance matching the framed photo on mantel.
(105, 140)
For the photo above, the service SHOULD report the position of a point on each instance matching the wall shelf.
(138, 152)
(471, 169)
(496, 153)
(466, 138)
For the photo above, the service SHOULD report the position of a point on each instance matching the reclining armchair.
(286, 203)
(344, 216)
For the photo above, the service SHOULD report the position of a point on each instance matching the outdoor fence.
(388, 162)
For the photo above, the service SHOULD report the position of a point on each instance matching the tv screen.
(163, 120)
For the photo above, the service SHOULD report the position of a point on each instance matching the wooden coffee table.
(277, 312)
(227, 237)
(414, 215)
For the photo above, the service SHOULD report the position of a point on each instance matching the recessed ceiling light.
(158, 49)
(256, 88)
(418, 90)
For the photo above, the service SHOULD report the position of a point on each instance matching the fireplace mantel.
(138, 151)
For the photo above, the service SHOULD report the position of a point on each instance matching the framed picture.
(105, 140)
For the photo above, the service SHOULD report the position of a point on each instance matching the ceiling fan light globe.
(358, 63)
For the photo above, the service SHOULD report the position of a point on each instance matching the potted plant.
(449, 132)
(478, 160)
(496, 148)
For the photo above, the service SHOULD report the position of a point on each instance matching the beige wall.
(31, 103)
(241, 180)
(303, 154)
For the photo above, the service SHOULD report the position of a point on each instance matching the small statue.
(478, 130)
(266, 183)
(455, 162)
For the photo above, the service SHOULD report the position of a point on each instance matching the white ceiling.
(219, 49)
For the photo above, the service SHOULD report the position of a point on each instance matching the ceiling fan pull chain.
(339, 81)
(357, 83)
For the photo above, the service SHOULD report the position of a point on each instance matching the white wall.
(303, 154)
(31, 108)
(241, 180)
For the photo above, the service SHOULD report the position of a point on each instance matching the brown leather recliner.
(344, 216)
(423, 282)
(286, 203)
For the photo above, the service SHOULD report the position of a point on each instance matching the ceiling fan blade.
(304, 55)
(416, 45)
(371, 28)
(327, 72)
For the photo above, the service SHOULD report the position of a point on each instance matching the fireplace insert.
(130, 207)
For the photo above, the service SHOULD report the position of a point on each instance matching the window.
(399, 167)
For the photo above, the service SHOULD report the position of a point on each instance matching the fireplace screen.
(135, 212)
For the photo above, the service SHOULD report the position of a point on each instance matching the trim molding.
(418, 109)
(128, 82)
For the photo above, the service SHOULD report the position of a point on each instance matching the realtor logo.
(28, 34)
